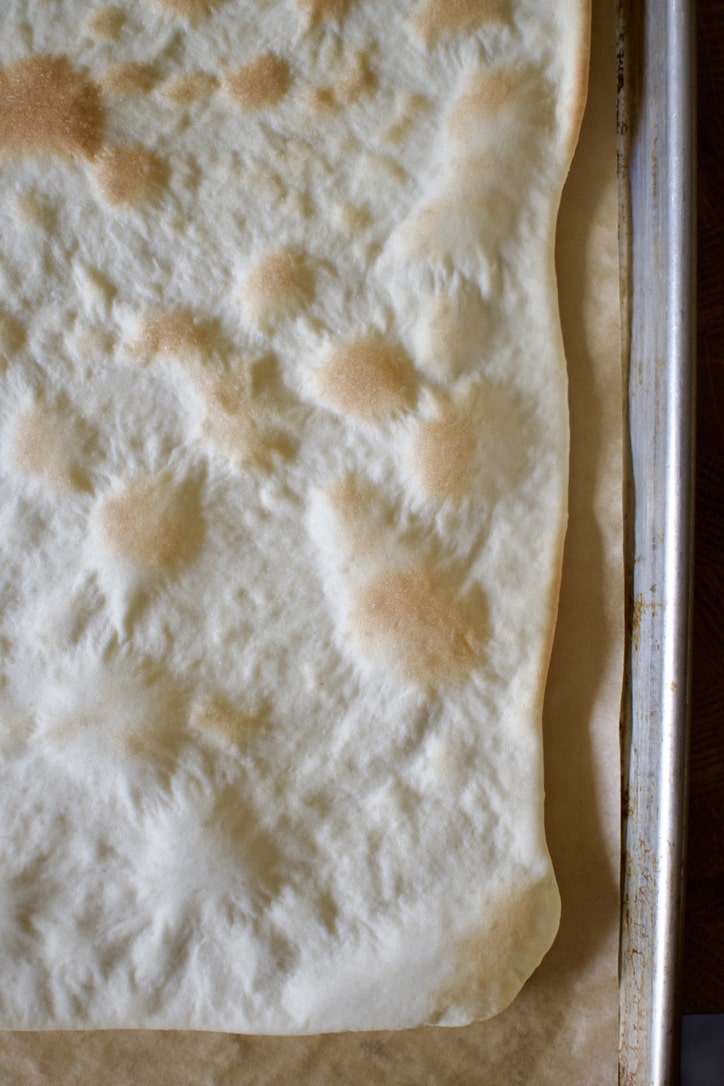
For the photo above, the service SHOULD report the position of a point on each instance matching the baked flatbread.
(283, 451)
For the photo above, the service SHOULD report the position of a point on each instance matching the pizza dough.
(283, 452)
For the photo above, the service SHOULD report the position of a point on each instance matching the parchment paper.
(562, 1029)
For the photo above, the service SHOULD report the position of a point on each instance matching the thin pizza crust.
(283, 454)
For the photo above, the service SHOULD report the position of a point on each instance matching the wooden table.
(703, 977)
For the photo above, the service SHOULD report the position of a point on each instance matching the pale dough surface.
(284, 467)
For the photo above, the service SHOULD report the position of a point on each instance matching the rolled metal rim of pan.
(656, 144)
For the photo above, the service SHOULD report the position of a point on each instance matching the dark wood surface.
(703, 975)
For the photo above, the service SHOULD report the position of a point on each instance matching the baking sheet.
(563, 1028)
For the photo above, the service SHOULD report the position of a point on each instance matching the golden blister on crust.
(129, 176)
(176, 335)
(280, 285)
(232, 425)
(221, 721)
(193, 10)
(49, 107)
(317, 11)
(264, 81)
(444, 448)
(431, 635)
(153, 524)
(12, 334)
(369, 378)
(187, 87)
(105, 24)
(128, 77)
(43, 448)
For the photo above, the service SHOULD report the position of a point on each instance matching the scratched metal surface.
(656, 125)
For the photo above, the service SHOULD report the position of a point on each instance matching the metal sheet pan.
(656, 168)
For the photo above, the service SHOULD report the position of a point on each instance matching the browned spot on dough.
(219, 719)
(382, 169)
(431, 636)
(280, 285)
(12, 334)
(434, 230)
(444, 452)
(187, 87)
(354, 218)
(105, 24)
(443, 18)
(121, 709)
(477, 444)
(347, 498)
(483, 95)
(147, 718)
(41, 449)
(94, 285)
(368, 378)
(47, 107)
(262, 82)
(321, 100)
(350, 500)
(228, 394)
(129, 176)
(144, 744)
(172, 335)
(154, 525)
(491, 962)
(128, 77)
(442, 323)
(359, 79)
(464, 218)
(190, 9)
(413, 106)
(230, 424)
(355, 80)
(470, 213)
(315, 11)
(34, 444)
